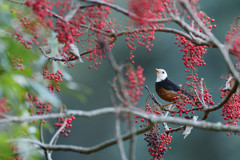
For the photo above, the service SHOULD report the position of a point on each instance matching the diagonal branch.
(218, 106)
(57, 133)
(85, 150)
(213, 40)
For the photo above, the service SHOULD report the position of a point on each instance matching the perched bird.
(166, 89)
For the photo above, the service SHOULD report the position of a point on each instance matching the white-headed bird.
(166, 89)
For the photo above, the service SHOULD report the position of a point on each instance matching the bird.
(166, 89)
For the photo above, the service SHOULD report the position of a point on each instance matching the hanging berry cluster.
(231, 109)
(134, 84)
(148, 9)
(193, 53)
(3, 108)
(233, 40)
(193, 58)
(142, 37)
(157, 142)
(37, 106)
(54, 80)
(28, 31)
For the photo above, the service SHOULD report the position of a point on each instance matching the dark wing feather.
(168, 85)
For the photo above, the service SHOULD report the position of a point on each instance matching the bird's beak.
(157, 70)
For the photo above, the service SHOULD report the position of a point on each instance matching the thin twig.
(41, 132)
(46, 152)
(17, 2)
(115, 89)
(133, 137)
(62, 59)
(57, 133)
(166, 128)
(153, 97)
(119, 138)
(202, 94)
(175, 129)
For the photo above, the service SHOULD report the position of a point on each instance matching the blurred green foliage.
(6, 149)
(15, 84)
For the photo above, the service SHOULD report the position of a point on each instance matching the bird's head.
(161, 75)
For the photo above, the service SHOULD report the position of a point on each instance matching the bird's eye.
(163, 72)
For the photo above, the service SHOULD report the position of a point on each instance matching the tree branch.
(151, 117)
(194, 39)
(213, 39)
(119, 138)
(218, 106)
(85, 150)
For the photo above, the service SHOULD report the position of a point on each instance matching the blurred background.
(94, 89)
(200, 144)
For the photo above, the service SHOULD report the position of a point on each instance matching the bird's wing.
(169, 85)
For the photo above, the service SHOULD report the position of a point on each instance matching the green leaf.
(14, 48)
(5, 147)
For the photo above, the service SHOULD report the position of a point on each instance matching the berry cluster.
(142, 37)
(193, 57)
(66, 130)
(231, 109)
(40, 8)
(17, 155)
(3, 108)
(148, 9)
(28, 31)
(233, 40)
(71, 29)
(193, 53)
(134, 84)
(54, 80)
(157, 142)
(38, 106)
(17, 63)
